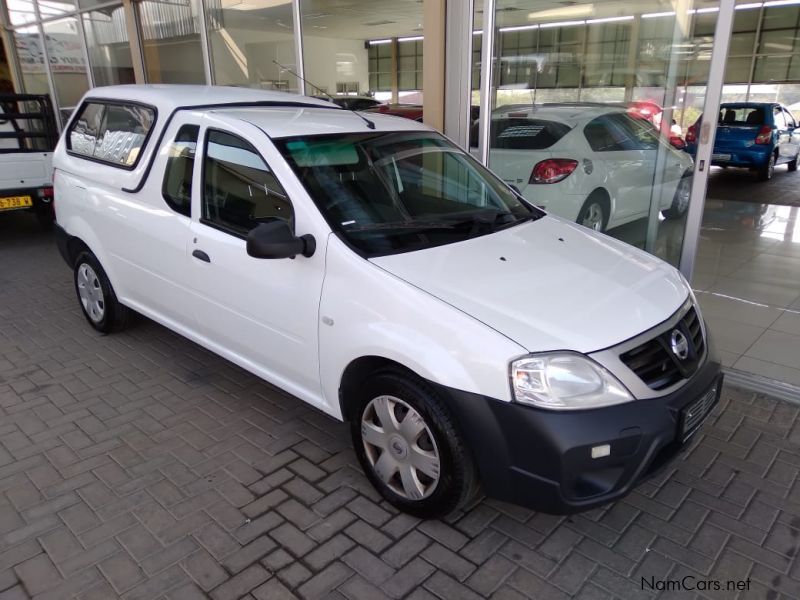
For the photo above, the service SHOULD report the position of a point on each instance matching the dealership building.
(474, 66)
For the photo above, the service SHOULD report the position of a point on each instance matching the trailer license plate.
(14, 202)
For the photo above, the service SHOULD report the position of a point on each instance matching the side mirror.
(276, 240)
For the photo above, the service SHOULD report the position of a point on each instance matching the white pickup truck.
(28, 136)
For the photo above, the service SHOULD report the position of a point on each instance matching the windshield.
(395, 192)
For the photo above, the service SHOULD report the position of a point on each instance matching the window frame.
(214, 225)
(168, 202)
(109, 102)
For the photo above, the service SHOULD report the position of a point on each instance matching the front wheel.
(680, 202)
(792, 164)
(409, 448)
(96, 296)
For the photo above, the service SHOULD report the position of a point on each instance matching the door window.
(239, 189)
(789, 119)
(177, 186)
(780, 120)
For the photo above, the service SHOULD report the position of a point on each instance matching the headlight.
(565, 381)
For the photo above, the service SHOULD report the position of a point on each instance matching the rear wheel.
(96, 296)
(680, 202)
(765, 172)
(409, 448)
(594, 213)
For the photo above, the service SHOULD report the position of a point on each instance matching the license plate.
(15, 202)
(720, 157)
(694, 415)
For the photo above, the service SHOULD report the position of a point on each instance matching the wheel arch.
(356, 372)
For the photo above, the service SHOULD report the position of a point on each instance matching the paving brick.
(249, 554)
(488, 577)
(448, 561)
(273, 590)
(122, 572)
(329, 551)
(204, 569)
(369, 566)
(38, 574)
(326, 580)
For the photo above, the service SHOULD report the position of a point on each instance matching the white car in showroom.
(595, 164)
(374, 270)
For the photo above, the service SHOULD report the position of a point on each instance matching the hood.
(548, 284)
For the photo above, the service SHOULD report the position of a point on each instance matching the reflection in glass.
(589, 104)
(30, 54)
(245, 39)
(365, 48)
(67, 64)
(21, 12)
(171, 41)
(108, 46)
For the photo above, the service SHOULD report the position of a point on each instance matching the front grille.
(654, 361)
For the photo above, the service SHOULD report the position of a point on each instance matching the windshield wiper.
(403, 225)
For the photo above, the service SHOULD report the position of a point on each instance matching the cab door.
(260, 313)
(151, 230)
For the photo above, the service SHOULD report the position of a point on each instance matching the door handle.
(199, 254)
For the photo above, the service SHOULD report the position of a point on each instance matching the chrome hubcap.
(400, 447)
(594, 217)
(91, 293)
(684, 193)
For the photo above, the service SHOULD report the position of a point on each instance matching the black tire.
(765, 172)
(112, 315)
(596, 201)
(680, 206)
(457, 480)
(792, 164)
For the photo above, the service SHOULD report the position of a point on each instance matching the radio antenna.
(369, 123)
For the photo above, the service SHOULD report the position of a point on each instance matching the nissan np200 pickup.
(370, 267)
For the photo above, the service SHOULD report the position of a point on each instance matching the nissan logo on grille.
(679, 344)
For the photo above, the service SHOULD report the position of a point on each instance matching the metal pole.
(204, 42)
(487, 72)
(708, 129)
(458, 71)
(298, 46)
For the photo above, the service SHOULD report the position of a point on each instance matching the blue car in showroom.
(752, 135)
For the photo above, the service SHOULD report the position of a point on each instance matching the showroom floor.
(140, 466)
(747, 272)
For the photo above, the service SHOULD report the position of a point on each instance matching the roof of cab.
(284, 121)
(168, 97)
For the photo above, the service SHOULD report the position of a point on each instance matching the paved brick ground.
(141, 466)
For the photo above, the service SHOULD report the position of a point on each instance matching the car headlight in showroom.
(565, 381)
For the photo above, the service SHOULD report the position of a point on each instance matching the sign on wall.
(66, 54)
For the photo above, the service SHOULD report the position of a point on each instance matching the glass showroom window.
(354, 45)
(245, 39)
(21, 12)
(171, 41)
(584, 102)
(108, 46)
(32, 64)
(67, 64)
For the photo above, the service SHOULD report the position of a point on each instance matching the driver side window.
(239, 189)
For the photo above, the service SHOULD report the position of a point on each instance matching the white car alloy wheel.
(400, 447)
(593, 216)
(91, 293)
